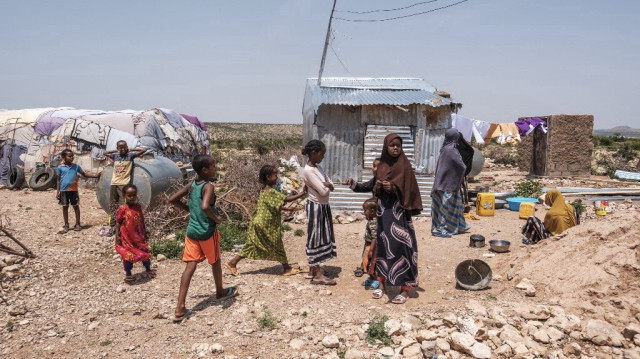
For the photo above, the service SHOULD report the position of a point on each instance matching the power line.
(383, 10)
(404, 16)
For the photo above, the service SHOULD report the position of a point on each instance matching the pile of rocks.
(477, 332)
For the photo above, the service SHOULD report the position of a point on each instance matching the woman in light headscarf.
(398, 199)
(447, 209)
(561, 216)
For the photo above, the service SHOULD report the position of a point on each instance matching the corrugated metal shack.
(353, 115)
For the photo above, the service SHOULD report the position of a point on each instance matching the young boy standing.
(67, 188)
(202, 239)
(122, 159)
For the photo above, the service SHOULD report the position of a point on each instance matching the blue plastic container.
(514, 202)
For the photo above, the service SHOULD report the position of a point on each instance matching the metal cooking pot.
(476, 241)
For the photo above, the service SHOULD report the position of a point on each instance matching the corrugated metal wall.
(339, 128)
(432, 123)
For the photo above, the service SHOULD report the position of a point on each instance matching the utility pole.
(326, 43)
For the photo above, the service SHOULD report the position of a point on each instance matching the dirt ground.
(70, 301)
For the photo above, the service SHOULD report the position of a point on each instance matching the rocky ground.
(576, 296)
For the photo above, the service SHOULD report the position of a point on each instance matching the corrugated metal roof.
(373, 91)
(370, 83)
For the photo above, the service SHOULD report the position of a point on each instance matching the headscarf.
(398, 171)
(561, 216)
(466, 152)
(451, 169)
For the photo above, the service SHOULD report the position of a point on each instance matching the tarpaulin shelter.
(38, 135)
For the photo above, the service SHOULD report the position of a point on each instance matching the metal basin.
(499, 245)
(473, 274)
(500, 203)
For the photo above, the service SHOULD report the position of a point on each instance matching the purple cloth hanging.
(47, 123)
(528, 125)
(194, 120)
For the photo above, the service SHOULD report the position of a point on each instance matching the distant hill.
(625, 131)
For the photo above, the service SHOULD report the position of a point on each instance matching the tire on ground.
(43, 179)
(16, 178)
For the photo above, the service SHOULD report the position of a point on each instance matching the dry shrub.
(163, 218)
(238, 187)
(501, 154)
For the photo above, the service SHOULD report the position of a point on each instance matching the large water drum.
(152, 175)
(477, 163)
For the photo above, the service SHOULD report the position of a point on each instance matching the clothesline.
(483, 131)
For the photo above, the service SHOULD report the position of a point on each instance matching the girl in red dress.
(131, 235)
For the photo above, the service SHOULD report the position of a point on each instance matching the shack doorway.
(374, 140)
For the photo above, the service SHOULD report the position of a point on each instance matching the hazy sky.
(247, 61)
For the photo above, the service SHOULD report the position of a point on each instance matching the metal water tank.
(477, 163)
(153, 175)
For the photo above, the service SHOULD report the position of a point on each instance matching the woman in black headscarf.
(447, 209)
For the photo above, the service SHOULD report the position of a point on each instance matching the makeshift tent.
(38, 135)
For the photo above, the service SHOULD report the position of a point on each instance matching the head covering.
(466, 152)
(398, 171)
(451, 169)
(561, 216)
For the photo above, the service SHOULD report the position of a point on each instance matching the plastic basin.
(514, 202)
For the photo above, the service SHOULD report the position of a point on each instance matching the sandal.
(129, 279)
(77, 228)
(178, 319)
(231, 292)
(358, 272)
(292, 271)
(64, 229)
(368, 282)
(375, 284)
(151, 274)
(233, 270)
(399, 299)
(325, 281)
(377, 294)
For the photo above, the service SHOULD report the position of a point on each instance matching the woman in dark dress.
(398, 199)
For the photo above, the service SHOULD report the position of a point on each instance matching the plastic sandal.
(186, 315)
(358, 272)
(375, 284)
(377, 294)
(368, 283)
(399, 299)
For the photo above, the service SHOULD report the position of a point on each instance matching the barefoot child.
(321, 244)
(398, 199)
(202, 239)
(131, 234)
(67, 188)
(264, 240)
(369, 251)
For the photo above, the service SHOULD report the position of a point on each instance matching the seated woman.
(558, 219)
(561, 216)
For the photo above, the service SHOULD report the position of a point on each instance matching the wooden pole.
(326, 43)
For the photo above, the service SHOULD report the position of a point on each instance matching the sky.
(247, 61)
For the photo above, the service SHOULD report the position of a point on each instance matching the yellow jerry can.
(527, 209)
(486, 204)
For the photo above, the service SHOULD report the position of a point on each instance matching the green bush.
(579, 207)
(232, 232)
(170, 248)
(286, 227)
(376, 331)
(267, 320)
(298, 233)
(529, 188)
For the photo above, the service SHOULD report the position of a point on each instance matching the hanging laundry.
(504, 132)
(469, 127)
(528, 125)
